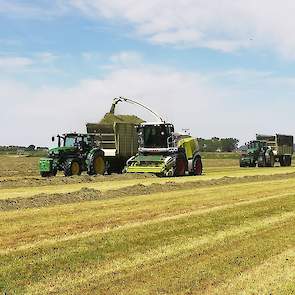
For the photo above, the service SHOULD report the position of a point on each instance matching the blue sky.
(224, 68)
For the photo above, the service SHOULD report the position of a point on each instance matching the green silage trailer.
(119, 141)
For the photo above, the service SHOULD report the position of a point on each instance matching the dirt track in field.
(86, 194)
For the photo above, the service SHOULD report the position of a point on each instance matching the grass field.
(230, 231)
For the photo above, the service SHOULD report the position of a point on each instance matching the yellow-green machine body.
(164, 152)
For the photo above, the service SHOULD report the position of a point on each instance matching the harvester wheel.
(180, 167)
(97, 164)
(72, 167)
(197, 166)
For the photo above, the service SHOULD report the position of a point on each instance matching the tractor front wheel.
(48, 174)
(72, 167)
(45, 174)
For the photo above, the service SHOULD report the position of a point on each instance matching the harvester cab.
(155, 137)
(74, 153)
(161, 151)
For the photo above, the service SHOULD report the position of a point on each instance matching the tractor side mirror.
(52, 138)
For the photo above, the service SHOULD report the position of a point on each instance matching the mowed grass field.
(230, 231)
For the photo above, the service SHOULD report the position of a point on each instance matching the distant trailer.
(281, 145)
(119, 141)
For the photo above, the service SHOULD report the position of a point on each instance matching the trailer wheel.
(197, 166)
(282, 161)
(288, 161)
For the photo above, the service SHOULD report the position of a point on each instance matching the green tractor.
(164, 152)
(74, 154)
(257, 153)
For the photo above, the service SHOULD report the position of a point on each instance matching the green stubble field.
(228, 231)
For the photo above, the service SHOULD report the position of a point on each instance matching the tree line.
(216, 144)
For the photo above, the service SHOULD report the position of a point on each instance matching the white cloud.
(190, 100)
(126, 58)
(224, 25)
(39, 62)
(178, 96)
(41, 10)
(46, 57)
(14, 63)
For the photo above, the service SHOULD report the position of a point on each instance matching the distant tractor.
(266, 150)
(161, 151)
(74, 154)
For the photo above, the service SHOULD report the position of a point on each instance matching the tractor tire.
(72, 167)
(48, 174)
(271, 160)
(242, 164)
(261, 161)
(45, 174)
(97, 164)
(197, 166)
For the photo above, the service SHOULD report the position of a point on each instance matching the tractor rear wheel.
(97, 164)
(72, 167)
(197, 166)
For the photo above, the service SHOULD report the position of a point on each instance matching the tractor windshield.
(254, 145)
(155, 136)
(70, 141)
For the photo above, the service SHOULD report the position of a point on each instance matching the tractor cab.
(75, 140)
(256, 146)
(156, 137)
